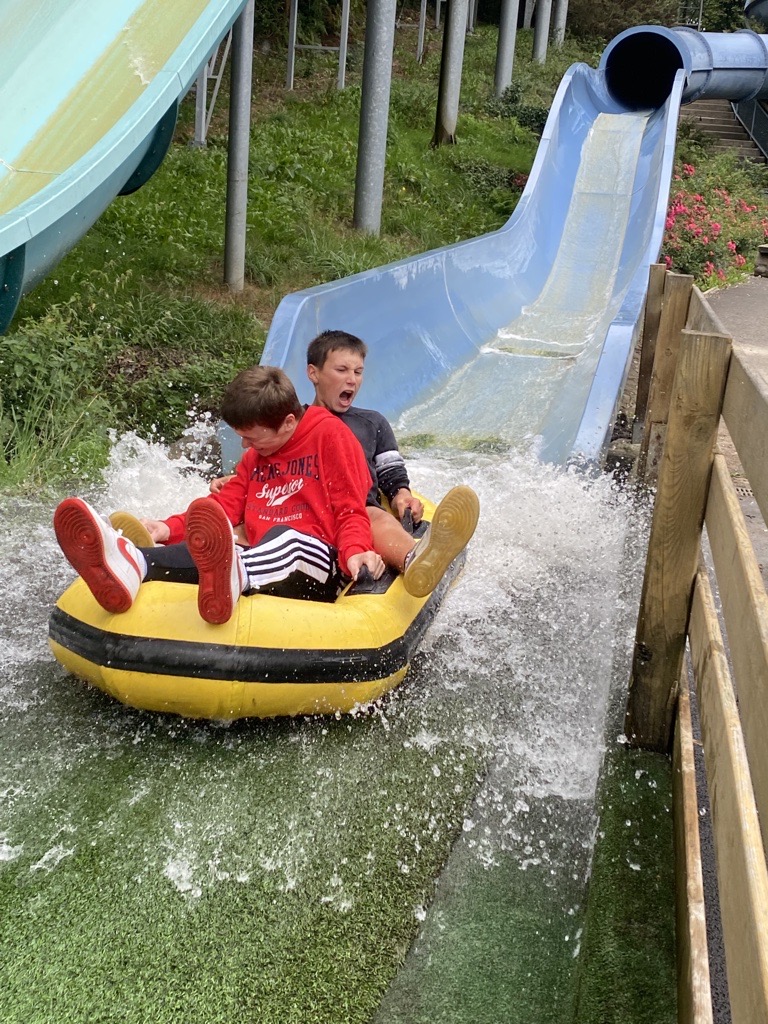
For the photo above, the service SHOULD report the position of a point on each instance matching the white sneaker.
(109, 563)
(452, 526)
(211, 544)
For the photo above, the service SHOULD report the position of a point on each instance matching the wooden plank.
(701, 316)
(674, 313)
(673, 549)
(745, 411)
(694, 997)
(653, 303)
(741, 869)
(745, 611)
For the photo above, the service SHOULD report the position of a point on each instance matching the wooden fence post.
(674, 311)
(651, 321)
(673, 549)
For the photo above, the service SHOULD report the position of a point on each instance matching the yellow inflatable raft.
(275, 656)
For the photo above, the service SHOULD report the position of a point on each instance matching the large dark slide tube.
(640, 65)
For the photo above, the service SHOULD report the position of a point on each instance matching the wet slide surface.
(522, 337)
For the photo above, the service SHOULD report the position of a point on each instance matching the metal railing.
(753, 115)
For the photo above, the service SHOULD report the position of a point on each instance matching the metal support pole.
(293, 20)
(528, 13)
(422, 28)
(343, 40)
(374, 114)
(471, 16)
(505, 51)
(541, 30)
(201, 106)
(437, 12)
(561, 16)
(451, 62)
(293, 45)
(239, 143)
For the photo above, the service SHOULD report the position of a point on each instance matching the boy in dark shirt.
(335, 365)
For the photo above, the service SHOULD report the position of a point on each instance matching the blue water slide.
(88, 97)
(524, 336)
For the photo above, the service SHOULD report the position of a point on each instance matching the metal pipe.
(541, 30)
(239, 143)
(471, 16)
(451, 61)
(201, 106)
(640, 65)
(505, 50)
(422, 31)
(528, 11)
(293, 23)
(343, 43)
(374, 114)
(560, 19)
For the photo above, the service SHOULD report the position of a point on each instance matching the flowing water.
(154, 868)
(539, 366)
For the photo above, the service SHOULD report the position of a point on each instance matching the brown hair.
(321, 347)
(260, 396)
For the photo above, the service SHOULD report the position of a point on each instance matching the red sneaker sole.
(81, 541)
(209, 542)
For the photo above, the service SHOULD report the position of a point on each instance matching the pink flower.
(709, 267)
(731, 246)
(689, 170)
(668, 261)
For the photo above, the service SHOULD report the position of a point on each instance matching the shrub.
(717, 217)
(605, 18)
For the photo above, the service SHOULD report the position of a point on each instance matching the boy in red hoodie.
(300, 490)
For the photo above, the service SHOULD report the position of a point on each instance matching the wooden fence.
(699, 375)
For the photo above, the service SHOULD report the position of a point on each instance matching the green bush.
(604, 18)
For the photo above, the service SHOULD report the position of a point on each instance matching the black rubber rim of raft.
(233, 663)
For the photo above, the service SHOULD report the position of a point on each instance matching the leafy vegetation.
(606, 18)
(717, 216)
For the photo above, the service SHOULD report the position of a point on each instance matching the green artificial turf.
(628, 956)
(160, 870)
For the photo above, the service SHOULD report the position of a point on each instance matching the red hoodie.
(317, 483)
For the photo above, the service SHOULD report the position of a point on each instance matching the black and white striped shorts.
(285, 563)
(292, 564)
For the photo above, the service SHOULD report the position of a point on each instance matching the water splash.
(498, 726)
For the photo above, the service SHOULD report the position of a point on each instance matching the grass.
(134, 326)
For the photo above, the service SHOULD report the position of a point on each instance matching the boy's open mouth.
(347, 396)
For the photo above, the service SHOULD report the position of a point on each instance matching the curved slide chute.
(89, 91)
(524, 336)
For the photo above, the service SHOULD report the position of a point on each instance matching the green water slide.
(88, 100)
